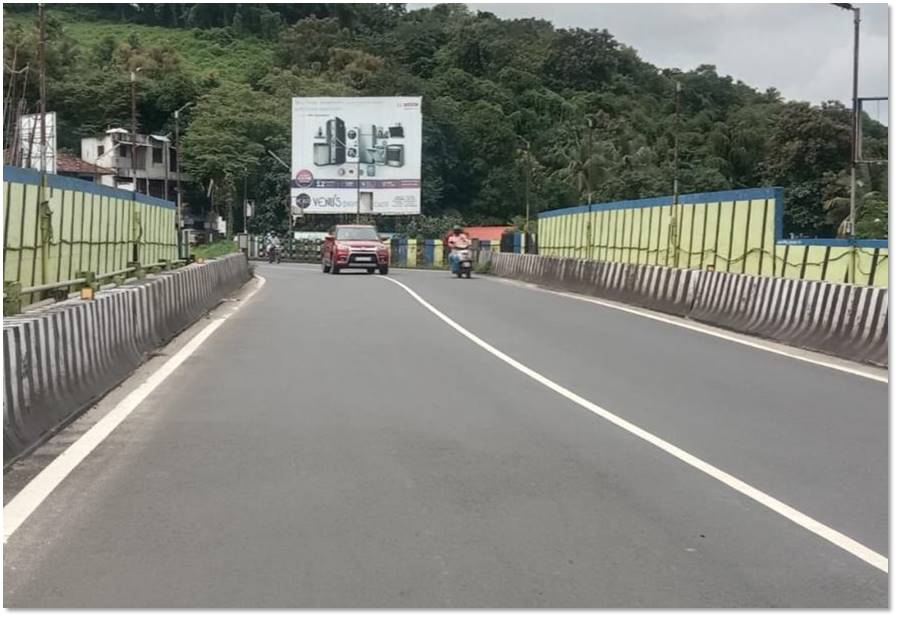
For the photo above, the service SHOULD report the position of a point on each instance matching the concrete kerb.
(60, 359)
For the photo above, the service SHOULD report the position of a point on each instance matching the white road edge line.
(20, 507)
(835, 537)
(698, 328)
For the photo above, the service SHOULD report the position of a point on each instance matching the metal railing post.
(139, 272)
(12, 297)
(89, 286)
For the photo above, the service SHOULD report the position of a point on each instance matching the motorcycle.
(465, 262)
(273, 254)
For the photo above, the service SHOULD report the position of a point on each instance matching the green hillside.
(232, 57)
(576, 109)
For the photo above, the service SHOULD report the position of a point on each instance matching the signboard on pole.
(356, 155)
(30, 141)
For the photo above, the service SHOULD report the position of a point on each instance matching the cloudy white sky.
(804, 50)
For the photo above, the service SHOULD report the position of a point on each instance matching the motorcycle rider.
(272, 245)
(456, 240)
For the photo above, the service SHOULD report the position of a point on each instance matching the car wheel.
(334, 269)
(467, 274)
(384, 269)
(324, 267)
(371, 270)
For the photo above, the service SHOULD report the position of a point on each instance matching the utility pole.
(134, 128)
(177, 161)
(245, 216)
(42, 84)
(854, 132)
(591, 123)
(527, 179)
(165, 153)
(674, 231)
(43, 205)
(854, 154)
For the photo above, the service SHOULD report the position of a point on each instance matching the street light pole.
(528, 179)
(134, 127)
(855, 124)
(854, 154)
(854, 131)
(590, 122)
(42, 86)
(589, 231)
(43, 203)
(674, 223)
(177, 161)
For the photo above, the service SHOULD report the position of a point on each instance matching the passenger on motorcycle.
(457, 240)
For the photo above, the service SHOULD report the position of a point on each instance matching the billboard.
(356, 155)
(30, 141)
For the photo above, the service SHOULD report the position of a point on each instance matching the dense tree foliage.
(510, 106)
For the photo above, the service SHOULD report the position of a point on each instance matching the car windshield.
(357, 233)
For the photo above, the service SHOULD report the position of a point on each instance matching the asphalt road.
(335, 444)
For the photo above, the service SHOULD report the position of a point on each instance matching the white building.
(155, 162)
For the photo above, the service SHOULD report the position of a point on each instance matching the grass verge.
(216, 249)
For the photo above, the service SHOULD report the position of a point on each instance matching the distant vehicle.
(354, 246)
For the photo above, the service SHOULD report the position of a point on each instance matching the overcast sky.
(804, 50)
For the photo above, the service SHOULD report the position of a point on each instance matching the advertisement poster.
(356, 155)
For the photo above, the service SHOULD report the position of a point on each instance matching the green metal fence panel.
(82, 226)
(733, 231)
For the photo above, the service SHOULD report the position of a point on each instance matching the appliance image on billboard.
(356, 154)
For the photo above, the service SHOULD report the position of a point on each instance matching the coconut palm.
(871, 214)
(585, 165)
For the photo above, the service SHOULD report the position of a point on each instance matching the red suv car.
(354, 246)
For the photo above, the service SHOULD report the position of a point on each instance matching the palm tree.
(585, 165)
(871, 211)
(871, 215)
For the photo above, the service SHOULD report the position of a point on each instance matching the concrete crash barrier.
(848, 321)
(60, 359)
(657, 287)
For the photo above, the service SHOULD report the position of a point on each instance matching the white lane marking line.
(36, 491)
(835, 537)
(698, 328)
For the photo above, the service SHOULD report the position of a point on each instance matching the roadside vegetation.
(215, 249)
(575, 111)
